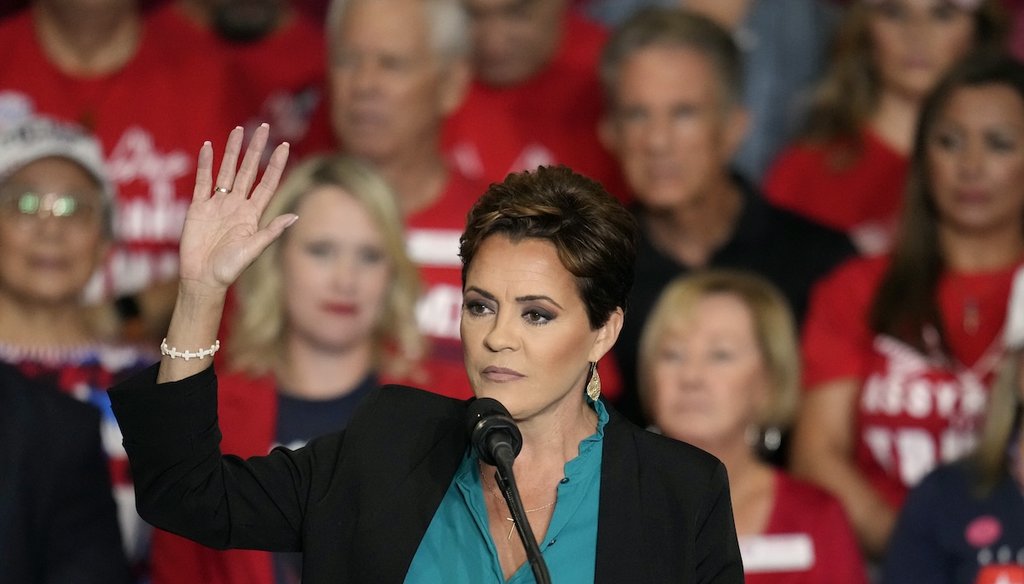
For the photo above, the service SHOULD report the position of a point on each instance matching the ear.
(736, 123)
(607, 335)
(455, 81)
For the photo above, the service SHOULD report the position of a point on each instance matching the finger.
(226, 174)
(251, 163)
(271, 177)
(204, 170)
(266, 235)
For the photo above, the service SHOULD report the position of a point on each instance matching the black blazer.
(358, 502)
(58, 523)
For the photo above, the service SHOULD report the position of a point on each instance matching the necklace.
(972, 316)
(497, 497)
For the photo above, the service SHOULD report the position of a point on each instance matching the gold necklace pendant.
(501, 500)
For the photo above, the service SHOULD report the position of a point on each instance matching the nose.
(690, 374)
(971, 160)
(501, 336)
(47, 225)
(656, 136)
(364, 76)
(346, 273)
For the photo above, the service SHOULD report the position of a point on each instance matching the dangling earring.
(594, 385)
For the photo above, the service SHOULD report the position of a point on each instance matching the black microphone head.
(488, 423)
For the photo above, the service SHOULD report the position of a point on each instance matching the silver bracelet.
(174, 353)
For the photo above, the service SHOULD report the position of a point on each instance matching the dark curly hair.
(596, 237)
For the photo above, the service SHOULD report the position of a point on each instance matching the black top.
(358, 502)
(788, 250)
(58, 522)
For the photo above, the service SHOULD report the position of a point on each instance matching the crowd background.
(856, 166)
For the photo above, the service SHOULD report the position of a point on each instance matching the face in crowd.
(975, 153)
(52, 232)
(336, 270)
(391, 83)
(672, 126)
(914, 43)
(514, 39)
(709, 380)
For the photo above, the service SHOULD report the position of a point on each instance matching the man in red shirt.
(535, 99)
(398, 68)
(149, 99)
(277, 54)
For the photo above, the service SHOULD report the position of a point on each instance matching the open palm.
(222, 233)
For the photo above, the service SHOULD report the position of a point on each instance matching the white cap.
(38, 137)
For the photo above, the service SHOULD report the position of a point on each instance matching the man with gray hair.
(673, 81)
(398, 68)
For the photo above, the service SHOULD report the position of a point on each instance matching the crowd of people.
(791, 236)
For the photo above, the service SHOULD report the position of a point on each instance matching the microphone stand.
(507, 485)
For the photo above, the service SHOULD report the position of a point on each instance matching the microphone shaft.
(507, 485)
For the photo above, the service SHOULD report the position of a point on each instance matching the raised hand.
(222, 233)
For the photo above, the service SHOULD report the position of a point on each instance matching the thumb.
(271, 231)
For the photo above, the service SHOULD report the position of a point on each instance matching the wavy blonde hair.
(774, 331)
(258, 329)
(1002, 422)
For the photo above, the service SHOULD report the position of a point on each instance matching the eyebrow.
(527, 298)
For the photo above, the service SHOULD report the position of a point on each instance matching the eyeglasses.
(26, 205)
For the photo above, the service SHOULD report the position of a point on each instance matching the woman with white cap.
(55, 229)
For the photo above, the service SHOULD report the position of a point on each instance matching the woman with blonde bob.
(322, 316)
(719, 366)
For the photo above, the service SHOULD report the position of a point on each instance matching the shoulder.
(20, 23)
(797, 158)
(794, 494)
(858, 273)
(405, 410)
(46, 413)
(461, 189)
(946, 481)
(790, 226)
(580, 30)
(667, 459)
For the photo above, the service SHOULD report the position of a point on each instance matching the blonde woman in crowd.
(323, 316)
(719, 366)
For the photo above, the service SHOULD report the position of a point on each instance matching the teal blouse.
(457, 547)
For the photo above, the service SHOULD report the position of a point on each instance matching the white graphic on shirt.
(436, 252)
(918, 413)
(532, 156)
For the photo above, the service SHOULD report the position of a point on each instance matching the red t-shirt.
(862, 199)
(281, 77)
(808, 540)
(550, 118)
(914, 411)
(432, 239)
(151, 117)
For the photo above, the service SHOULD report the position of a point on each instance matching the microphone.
(497, 440)
(492, 432)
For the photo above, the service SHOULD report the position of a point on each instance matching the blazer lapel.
(621, 550)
